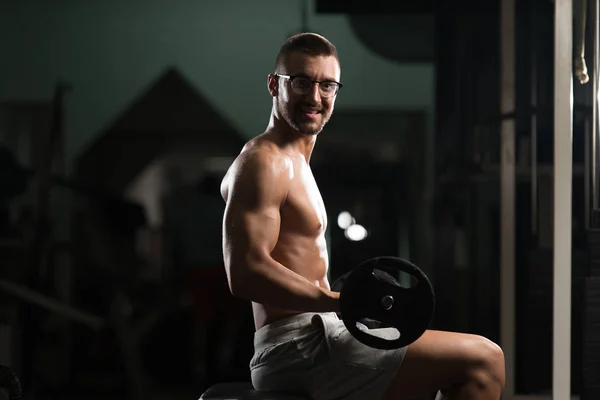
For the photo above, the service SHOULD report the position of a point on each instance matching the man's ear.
(273, 85)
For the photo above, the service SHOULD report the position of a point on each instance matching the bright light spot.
(345, 219)
(356, 233)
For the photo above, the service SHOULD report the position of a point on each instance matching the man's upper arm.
(252, 216)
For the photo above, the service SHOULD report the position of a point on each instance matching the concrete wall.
(110, 51)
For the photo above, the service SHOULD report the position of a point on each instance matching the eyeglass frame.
(292, 77)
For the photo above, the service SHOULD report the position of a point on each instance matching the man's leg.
(461, 366)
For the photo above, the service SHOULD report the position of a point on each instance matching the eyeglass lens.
(303, 85)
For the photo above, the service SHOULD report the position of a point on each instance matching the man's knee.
(488, 366)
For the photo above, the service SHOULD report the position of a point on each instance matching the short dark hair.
(307, 43)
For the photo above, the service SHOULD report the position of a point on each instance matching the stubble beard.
(308, 128)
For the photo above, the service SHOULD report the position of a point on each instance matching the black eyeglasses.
(302, 85)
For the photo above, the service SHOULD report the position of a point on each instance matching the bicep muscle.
(252, 215)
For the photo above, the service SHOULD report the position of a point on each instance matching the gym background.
(118, 120)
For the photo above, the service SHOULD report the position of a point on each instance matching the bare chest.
(304, 210)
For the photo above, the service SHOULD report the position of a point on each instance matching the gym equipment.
(580, 68)
(370, 297)
(10, 387)
(129, 332)
(15, 179)
(33, 297)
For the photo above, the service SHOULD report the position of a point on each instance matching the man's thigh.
(437, 361)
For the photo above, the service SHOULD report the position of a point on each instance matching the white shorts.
(314, 355)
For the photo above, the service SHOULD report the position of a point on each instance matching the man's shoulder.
(261, 157)
(260, 169)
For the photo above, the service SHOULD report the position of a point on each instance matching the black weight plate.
(366, 286)
(338, 284)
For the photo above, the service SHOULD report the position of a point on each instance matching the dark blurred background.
(119, 118)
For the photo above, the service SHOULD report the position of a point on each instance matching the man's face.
(306, 113)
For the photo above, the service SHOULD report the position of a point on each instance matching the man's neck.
(290, 138)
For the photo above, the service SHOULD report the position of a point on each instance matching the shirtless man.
(276, 257)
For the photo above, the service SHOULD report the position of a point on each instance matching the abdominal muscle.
(306, 257)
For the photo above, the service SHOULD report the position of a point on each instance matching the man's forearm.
(272, 284)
